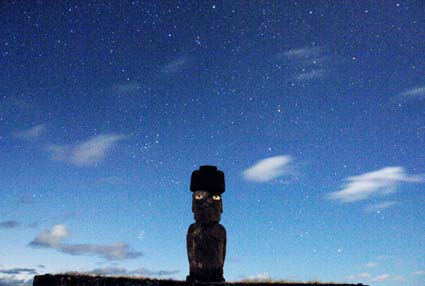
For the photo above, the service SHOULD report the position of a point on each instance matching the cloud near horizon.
(53, 238)
(139, 271)
(17, 271)
(260, 277)
(88, 153)
(15, 282)
(376, 183)
(363, 275)
(268, 169)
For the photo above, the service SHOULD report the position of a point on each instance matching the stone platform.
(91, 280)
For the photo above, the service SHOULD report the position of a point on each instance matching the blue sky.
(314, 111)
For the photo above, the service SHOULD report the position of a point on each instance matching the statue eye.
(216, 197)
(198, 196)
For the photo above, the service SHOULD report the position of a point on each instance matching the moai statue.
(206, 238)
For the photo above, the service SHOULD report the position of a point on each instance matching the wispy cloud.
(268, 169)
(419, 272)
(17, 271)
(115, 251)
(363, 275)
(31, 133)
(313, 74)
(127, 87)
(380, 206)
(300, 53)
(307, 63)
(380, 278)
(88, 153)
(9, 224)
(371, 264)
(139, 271)
(53, 238)
(175, 65)
(381, 182)
(414, 92)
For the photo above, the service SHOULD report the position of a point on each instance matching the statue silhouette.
(206, 238)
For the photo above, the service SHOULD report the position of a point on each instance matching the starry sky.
(315, 111)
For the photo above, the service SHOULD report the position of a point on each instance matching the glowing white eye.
(199, 195)
(216, 197)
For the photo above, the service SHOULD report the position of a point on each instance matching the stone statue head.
(207, 185)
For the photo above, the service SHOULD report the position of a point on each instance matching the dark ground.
(91, 280)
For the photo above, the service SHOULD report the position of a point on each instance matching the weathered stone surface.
(206, 248)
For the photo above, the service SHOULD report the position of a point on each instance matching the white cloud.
(51, 237)
(268, 169)
(414, 92)
(371, 264)
(380, 206)
(380, 182)
(260, 277)
(31, 133)
(88, 153)
(363, 275)
(380, 278)
(419, 272)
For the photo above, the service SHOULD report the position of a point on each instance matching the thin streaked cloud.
(380, 206)
(371, 264)
(127, 87)
(139, 271)
(414, 92)
(376, 183)
(300, 53)
(380, 278)
(175, 65)
(54, 237)
(7, 224)
(307, 63)
(268, 169)
(88, 153)
(313, 74)
(18, 271)
(360, 276)
(32, 133)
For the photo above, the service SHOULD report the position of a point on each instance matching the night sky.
(315, 111)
